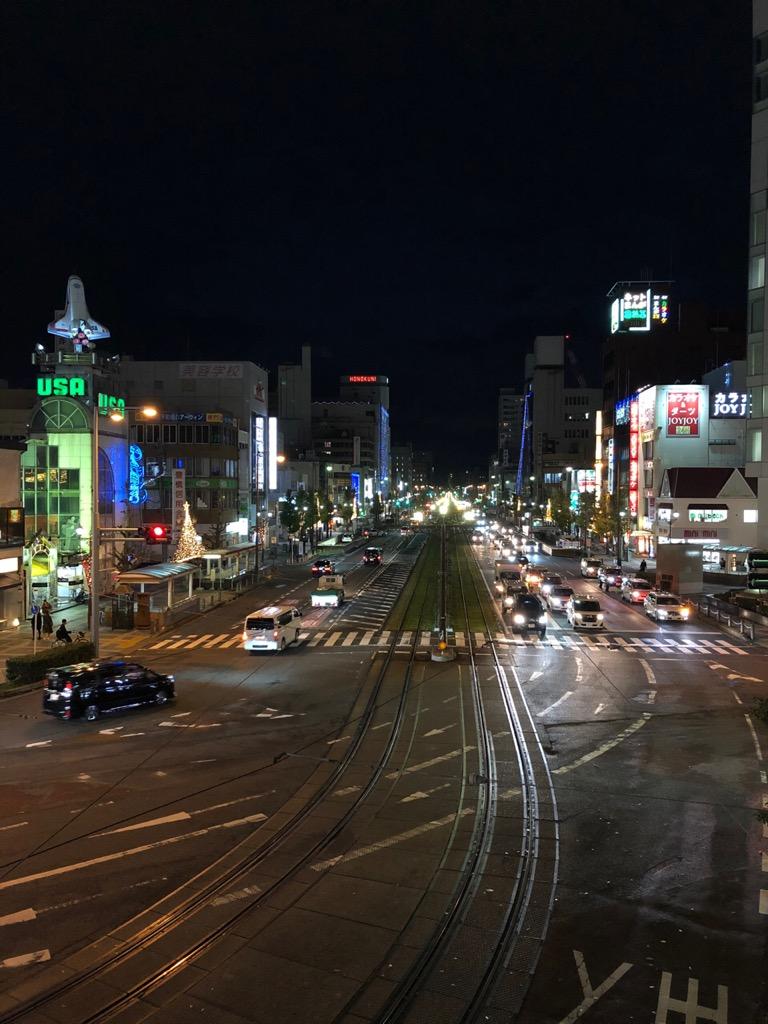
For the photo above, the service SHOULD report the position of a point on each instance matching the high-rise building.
(511, 413)
(757, 351)
(402, 468)
(294, 403)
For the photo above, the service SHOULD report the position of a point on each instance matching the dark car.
(372, 556)
(323, 567)
(93, 688)
(528, 614)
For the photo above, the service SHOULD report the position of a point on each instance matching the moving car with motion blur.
(532, 578)
(372, 556)
(584, 612)
(507, 578)
(590, 568)
(527, 614)
(94, 688)
(323, 567)
(549, 581)
(635, 591)
(666, 607)
(608, 576)
(558, 597)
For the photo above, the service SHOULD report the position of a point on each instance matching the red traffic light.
(157, 533)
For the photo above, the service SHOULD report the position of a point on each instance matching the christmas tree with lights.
(189, 545)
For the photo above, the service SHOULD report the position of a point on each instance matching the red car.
(635, 591)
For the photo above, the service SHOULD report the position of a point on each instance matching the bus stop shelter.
(159, 590)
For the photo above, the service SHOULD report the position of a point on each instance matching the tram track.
(90, 984)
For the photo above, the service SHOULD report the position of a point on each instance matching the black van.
(372, 556)
(94, 688)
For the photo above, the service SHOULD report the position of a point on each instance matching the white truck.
(329, 592)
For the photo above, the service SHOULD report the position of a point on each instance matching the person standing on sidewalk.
(47, 621)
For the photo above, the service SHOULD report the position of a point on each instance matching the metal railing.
(731, 615)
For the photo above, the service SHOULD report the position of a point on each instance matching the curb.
(19, 690)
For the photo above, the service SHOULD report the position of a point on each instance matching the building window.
(750, 515)
(761, 87)
(757, 272)
(756, 311)
(754, 357)
(758, 228)
(755, 445)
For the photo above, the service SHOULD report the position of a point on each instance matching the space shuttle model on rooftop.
(76, 323)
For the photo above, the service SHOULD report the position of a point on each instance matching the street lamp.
(116, 415)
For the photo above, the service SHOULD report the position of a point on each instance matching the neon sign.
(634, 452)
(683, 414)
(137, 492)
(364, 379)
(77, 387)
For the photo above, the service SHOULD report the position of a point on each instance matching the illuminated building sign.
(729, 405)
(364, 379)
(634, 452)
(683, 413)
(585, 481)
(639, 310)
(272, 463)
(76, 387)
(609, 460)
(622, 413)
(137, 492)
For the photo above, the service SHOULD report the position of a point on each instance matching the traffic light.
(157, 533)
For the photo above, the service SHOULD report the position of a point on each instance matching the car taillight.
(68, 686)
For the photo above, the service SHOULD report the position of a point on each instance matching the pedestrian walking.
(47, 621)
(643, 565)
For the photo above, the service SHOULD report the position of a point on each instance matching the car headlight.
(556, 601)
(685, 612)
(599, 616)
(662, 614)
(508, 602)
(518, 619)
(542, 620)
(577, 615)
(635, 593)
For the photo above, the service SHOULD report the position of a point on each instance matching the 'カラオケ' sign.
(683, 413)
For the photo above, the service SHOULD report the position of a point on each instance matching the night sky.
(413, 188)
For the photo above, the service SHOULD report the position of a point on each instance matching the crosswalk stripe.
(180, 643)
(349, 639)
(200, 639)
(554, 642)
(366, 638)
(426, 638)
(332, 639)
(162, 643)
(405, 638)
(383, 640)
(479, 639)
(316, 639)
(231, 643)
(217, 639)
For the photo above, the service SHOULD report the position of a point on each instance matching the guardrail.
(730, 615)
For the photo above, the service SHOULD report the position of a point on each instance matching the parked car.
(608, 576)
(372, 556)
(665, 607)
(635, 591)
(323, 567)
(528, 614)
(584, 612)
(549, 581)
(271, 628)
(558, 597)
(590, 568)
(93, 688)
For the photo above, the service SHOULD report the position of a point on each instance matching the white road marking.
(39, 957)
(19, 824)
(21, 915)
(428, 764)
(231, 643)
(763, 779)
(181, 714)
(598, 709)
(338, 739)
(689, 1007)
(366, 638)
(603, 748)
(383, 724)
(65, 869)
(82, 777)
(649, 673)
(112, 731)
(40, 743)
(747, 679)
(349, 639)
(151, 823)
(535, 675)
(736, 697)
(332, 639)
(763, 904)
(347, 791)
(239, 894)
(206, 760)
(422, 795)
(438, 732)
(591, 995)
(384, 844)
(755, 740)
(184, 640)
(566, 695)
(217, 639)
(200, 640)
(207, 725)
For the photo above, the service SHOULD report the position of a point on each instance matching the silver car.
(665, 607)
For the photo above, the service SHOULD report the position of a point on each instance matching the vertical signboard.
(609, 460)
(683, 413)
(634, 453)
(179, 483)
(272, 453)
(598, 453)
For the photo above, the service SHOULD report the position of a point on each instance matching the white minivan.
(271, 629)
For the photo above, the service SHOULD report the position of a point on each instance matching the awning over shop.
(156, 573)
